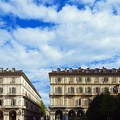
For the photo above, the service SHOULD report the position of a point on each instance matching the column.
(6, 116)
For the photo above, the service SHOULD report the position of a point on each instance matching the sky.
(38, 36)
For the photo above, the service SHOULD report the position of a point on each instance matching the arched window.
(105, 79)
(97, 90)
(71, 90)
(80, 90)
(79, 79)
(88, 89)
(88, 79)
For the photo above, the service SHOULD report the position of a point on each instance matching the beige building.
(19, 100)
(72, 90)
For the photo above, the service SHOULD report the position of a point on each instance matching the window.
(59, 90)
(96, 70)
(58, 70)
(58, 80)
(13, 102)
(71, 79)
(86, 102)
(70, 70)
(96, 80)
(13, 80)
(87, 71)
(71, 90)
(13, 90)
(88, 90)
(79, 101)
(1, 90)
(97, 90)
(80, 90)
(1, 102)
(105, 79)
(88, 79)
(104, 70)
(79, 79)
(114, 80)
(113, 70)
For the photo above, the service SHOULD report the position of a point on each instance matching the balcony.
(13, 106)
(58, 93)
(10, 93)
(70, 93)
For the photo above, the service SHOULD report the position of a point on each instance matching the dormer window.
(79, 69)
(58, 70)
(70, 70)
(96, 70)
(87, 71)
(113, 70)
(104, 70)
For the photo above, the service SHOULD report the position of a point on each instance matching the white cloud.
(80, 37)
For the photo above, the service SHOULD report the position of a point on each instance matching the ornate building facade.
(19, 100)
(72, 90)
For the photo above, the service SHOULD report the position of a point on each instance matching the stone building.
(19, 100)
(71, 90)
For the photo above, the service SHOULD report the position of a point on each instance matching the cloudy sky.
(38, 36)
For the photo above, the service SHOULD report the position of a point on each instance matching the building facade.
(72, 90)
(19, 100)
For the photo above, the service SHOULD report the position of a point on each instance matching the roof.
(15, 72)
(87, 71)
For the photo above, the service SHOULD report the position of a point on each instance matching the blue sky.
(39, 36)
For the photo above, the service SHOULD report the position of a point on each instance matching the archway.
(12, 115)
(71, 115)
(1, 115)
(58, 115)
(80, 115)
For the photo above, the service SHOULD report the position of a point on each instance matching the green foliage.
(108, 105)
(43, 108)
(104, 107)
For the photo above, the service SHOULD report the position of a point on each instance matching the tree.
(94, 111)
(43, 108)
(103, 107)
(108, 106)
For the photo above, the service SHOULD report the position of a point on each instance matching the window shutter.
(94, 90)
(9, 90)
(77, 90)
(15, 90)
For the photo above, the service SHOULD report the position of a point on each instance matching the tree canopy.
(104, 107)
(43, 108)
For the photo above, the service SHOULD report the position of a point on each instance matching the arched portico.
(71, 115)
(58, 115)
(12, 115)
(80, 115)
(1, 115)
